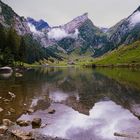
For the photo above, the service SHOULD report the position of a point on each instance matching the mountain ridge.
(78, 36)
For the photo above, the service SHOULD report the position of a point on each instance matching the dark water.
(89, 105)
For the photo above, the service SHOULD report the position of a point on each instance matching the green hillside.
(123, 55)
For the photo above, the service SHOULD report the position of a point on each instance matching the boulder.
(6, 70)
(7, 122)
(36, 122)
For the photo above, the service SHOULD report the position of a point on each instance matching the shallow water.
(89, 105)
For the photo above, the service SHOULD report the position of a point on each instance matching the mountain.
(127, 30)
(8, 18)
(39, 25)
(78, 36)
(17, 42)
(125, 55)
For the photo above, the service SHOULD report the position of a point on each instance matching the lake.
(89, 104)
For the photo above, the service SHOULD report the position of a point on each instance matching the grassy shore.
(124, 56)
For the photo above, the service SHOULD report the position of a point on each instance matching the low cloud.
(58, 34)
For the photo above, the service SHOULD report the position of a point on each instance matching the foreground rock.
(7, 122)
(136, 110)
(6, 70)
(3, 129)
(51, 111)
(21, 135)
(18, 74)
(128, 135)
(1, 109)
(12, 95)
(30, 110)
(36, 123)
(23, 123)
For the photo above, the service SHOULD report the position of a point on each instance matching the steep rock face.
(127, 30)
(39, 25)
(9, 18)
(75, 23)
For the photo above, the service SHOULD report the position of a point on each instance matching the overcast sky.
(103, 13)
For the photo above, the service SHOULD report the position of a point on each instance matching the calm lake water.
(90, 104)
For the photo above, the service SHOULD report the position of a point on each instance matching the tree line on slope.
(14, 48)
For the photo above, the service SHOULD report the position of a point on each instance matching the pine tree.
(13, 43)
(2, 38)
(22, 50)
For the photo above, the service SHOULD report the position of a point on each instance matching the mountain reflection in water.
(89, 105)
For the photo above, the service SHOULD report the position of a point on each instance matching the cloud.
(135, 18)
(58, 34)
(33, 29)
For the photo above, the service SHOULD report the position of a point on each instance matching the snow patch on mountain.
(134, 19)
(59, 33)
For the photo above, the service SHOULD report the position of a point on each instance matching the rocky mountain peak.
(75, 23)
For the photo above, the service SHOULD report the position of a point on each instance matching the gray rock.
(51, 111)
(36, 122)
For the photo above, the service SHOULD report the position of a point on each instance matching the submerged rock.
(21, 135)
(1, 109)
(23, 123)
(3, 129)
(36, 122)
(18, 74)
(6, 100)
(136, 110)
(12, 94)
(12, 110)
(51, 111)
(30, 110)
(127, 135)
(7, 122)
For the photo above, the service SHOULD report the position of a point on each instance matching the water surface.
(90, 104)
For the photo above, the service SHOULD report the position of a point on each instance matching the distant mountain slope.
(39, 25)
(8, 18)
(125, 54)
(127, 30)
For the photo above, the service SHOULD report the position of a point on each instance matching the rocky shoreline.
(8, 135)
